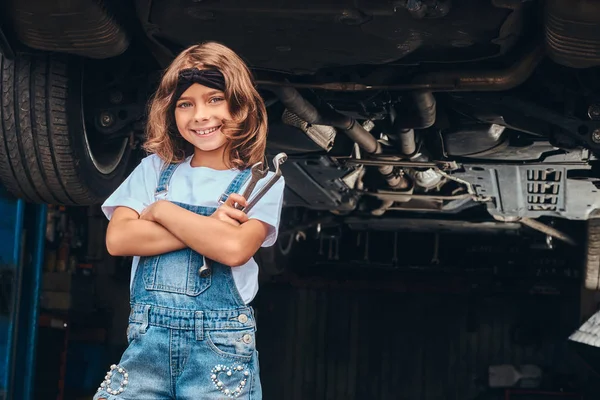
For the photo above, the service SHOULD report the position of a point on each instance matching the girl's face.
(199, 115)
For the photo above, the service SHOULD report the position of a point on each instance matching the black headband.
(211, 78)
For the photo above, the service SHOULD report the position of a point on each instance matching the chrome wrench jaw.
(205, 268)
(278, 160)
(257, 174)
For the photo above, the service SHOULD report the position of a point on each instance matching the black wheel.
(592, 255)
(48, 154)
(276, 260)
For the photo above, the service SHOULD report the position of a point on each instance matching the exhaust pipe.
(422, 116)
(295, 103)
(298, 105)
(445, 81)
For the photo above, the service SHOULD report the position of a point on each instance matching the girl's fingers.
(230, 211)
(236, 198)
(238, 215)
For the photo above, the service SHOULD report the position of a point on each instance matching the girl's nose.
(201, 113)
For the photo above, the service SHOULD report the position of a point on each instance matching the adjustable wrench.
(277, 161)
(257, 174)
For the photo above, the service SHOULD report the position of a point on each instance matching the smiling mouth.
(206, 132)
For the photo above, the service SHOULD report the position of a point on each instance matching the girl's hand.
(149, 213)
(227, 213)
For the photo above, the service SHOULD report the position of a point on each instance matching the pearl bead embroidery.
(229, 371)
(114, 370)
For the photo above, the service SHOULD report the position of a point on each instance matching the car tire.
(47, 151)
(274, 260)
(592, 255)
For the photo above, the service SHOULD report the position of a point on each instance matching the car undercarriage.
(478, 116)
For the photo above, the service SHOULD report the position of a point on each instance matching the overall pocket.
(237, 344)
(175, 272)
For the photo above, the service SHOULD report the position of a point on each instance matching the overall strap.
(235, 184)
(163, 181)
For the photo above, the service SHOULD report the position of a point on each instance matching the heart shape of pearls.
(106, 384)
(229, 371)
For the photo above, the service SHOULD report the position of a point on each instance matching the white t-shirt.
(199, 186)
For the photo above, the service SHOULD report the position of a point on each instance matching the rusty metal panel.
(318, 343)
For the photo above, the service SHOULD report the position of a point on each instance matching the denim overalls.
(190, 337)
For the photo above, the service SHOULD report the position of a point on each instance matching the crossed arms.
(227, 236)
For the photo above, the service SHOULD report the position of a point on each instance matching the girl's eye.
(216, 99)
(184, 105)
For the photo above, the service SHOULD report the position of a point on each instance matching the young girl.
(193, 337)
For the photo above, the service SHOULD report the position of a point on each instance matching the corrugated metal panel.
(342, 344)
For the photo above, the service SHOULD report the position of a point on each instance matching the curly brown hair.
(246, 131)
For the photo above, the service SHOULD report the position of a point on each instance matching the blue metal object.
(11, 227)
(22, 239)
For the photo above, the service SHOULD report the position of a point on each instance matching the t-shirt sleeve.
(268, 208)
(137, 190)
